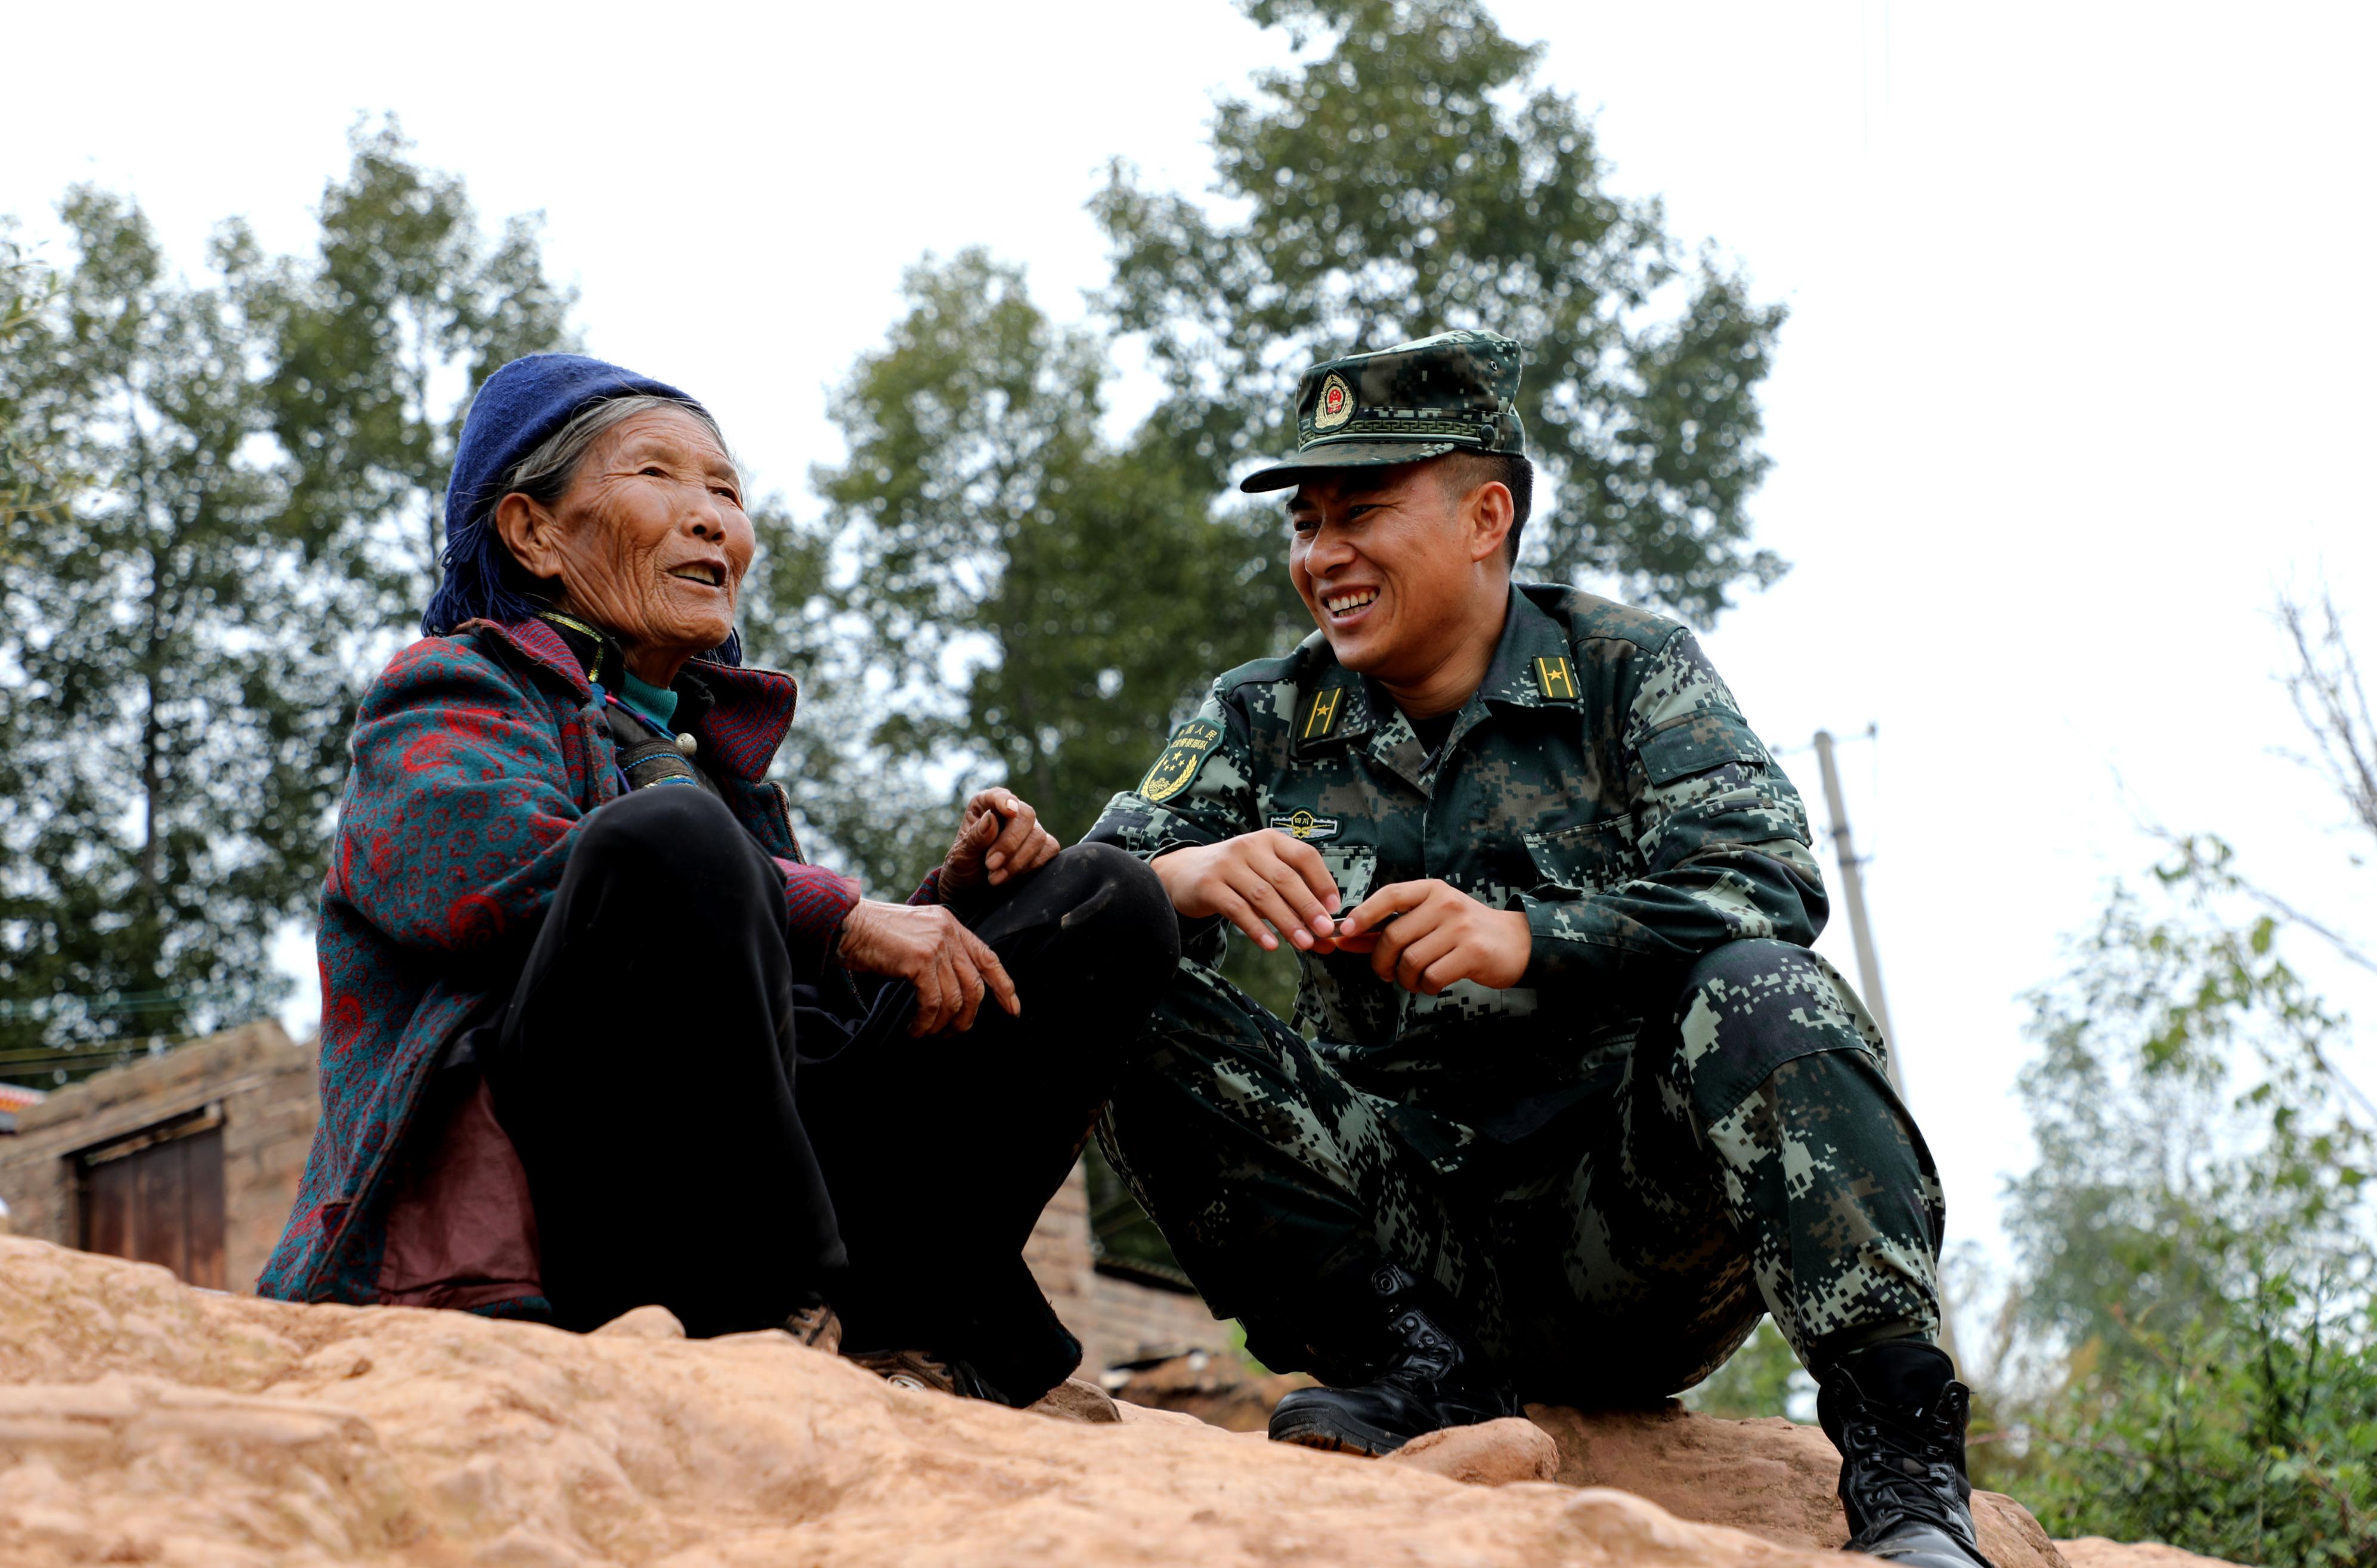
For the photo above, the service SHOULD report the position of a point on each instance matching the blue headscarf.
(516, 411)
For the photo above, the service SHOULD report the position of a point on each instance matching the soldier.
(1568, 1103)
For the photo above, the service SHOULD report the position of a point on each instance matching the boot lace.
(1900, 1470)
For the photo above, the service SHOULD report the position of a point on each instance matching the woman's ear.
(531, 533)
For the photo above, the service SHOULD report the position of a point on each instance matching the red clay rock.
(644, 1322)
(141, 1422)
(1489, 1453)
(1769, 1477)
(144, 1422)
(1075, 1400)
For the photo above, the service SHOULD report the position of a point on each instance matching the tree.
(377, 343)
(29, 482)
(2197, 1288)
(170, 736)
(2193, 1245)
(259, 463)
(1040, 601)
(1406, 182)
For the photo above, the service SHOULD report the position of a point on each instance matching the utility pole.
(1868, 963)
(1853, 895)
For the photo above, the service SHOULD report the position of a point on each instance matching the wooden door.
(158, 1200)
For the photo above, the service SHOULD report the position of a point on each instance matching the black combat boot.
(1896, 1413)
(1428, 1380)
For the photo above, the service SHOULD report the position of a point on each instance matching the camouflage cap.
(1454, 391)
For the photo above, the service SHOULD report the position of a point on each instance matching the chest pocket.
(1353, 867)
(1572, 862)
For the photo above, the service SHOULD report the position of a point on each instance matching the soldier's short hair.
(1464, 471)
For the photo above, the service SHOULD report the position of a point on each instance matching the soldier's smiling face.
(1395, 563)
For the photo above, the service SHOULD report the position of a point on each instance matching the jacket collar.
(739, 715)
(1531, 668)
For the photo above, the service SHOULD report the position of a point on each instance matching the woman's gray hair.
(545, 472)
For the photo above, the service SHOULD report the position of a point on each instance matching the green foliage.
(2248, 1436)
(377, 342)
(1041, 602)
(2195, 1241)
(1034, 601)
(1762, 1378)
(31, 483)
(254, 461)
(169, 737)
(1408, 181)
(2158, 1193)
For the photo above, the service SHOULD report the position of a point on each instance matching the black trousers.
(703, 1133)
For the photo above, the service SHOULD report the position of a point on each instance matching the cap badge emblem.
(1336, 405)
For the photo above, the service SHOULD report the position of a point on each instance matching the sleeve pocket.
(1698, 744)
(1573, 861)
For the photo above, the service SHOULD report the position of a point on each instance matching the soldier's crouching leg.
(1823, 1173)
(1270, 1177)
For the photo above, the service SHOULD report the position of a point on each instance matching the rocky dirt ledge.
(144, 1422)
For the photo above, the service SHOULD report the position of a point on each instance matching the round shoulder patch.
(1335, 405)
(1191, 744)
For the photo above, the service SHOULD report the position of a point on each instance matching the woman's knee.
(667, 840)
(1120, 903)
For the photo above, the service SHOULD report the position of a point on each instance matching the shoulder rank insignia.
(1321, 717)
(1304, 825)
(1191, 744)
(1554, 677)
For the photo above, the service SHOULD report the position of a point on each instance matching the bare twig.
(2186, 845)
(2327, 692)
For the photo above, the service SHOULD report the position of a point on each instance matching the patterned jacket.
(476, 758)
(1602, 781)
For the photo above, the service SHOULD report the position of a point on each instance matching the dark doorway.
(158, 1197)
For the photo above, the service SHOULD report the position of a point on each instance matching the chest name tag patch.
(1555, 679)
(1304, 825)
(1191, 744)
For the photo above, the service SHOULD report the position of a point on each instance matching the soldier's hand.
(924, 945)
(1425, 936)
(999, 837)
(1259, 882)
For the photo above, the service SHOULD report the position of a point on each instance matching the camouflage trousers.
(1737, 1154)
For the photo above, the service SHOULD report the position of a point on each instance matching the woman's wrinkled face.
(649, 541)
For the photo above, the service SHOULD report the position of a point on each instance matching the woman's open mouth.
(708, 573)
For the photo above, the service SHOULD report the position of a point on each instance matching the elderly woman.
(596, 1035)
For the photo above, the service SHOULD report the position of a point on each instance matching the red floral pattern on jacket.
(476, 759)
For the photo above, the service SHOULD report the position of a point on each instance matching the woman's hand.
(1259, 882)
(999, 837)
(930, 948)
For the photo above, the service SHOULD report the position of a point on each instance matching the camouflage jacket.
(1602, 781)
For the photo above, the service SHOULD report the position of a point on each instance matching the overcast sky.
(2076, 377)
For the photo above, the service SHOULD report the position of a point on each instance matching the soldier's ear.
(1487, 512)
